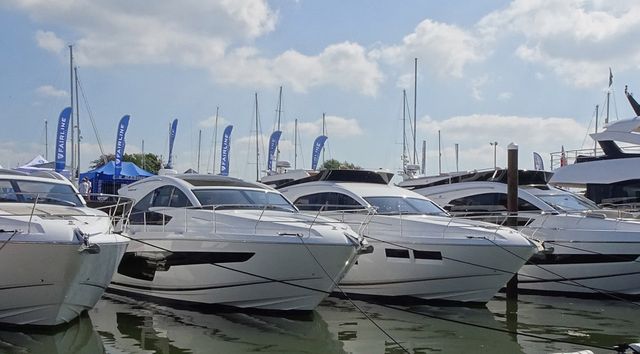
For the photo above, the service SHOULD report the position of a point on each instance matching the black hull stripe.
(550, 259)
(565, 280)
(25, 286)
(156, 288)
(415, 280)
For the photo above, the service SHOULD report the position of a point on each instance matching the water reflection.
(76, 337)
(132, 326)
(337, 326)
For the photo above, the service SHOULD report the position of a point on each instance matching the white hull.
(276, 275)
(476, 279)
(613, 268)
(52, 283)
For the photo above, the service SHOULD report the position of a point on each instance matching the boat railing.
(115, 207)
(363, 217)
(160, 216)
(571, 155)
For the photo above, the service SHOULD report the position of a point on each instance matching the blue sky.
(524, 71)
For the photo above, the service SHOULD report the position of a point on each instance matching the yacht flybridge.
(57, 256)
(586, 251)
(613, 176)
(418, 249)
(208, 239)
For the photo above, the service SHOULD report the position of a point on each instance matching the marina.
(279, 184)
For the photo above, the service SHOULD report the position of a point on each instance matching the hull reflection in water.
(133, 326)
(75, 337)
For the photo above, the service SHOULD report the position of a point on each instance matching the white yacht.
(207, 239)
(612, 176)
(418, 249)
(586, 251)
(57, 256)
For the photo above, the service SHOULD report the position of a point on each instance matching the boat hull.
(249, 274)
(468, 272)
(52, 283)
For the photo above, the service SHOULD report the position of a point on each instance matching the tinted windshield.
(17, 191)
(568, 202)
(401, 205)
(240, 198)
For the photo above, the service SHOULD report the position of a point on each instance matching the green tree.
(151, 161)
(334, 164)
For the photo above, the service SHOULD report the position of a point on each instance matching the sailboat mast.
(404, 131)
(46, 140)
(257, 149)
(606, 118)
(595, 143)
(215, 140)
(143, 166)
(73, 152)
(415, 99)
(199, 146)
(439, 154)
(77, 171)
(295, 144)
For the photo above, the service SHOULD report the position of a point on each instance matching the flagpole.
(73, 154)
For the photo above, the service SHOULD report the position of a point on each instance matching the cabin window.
(487, 202)
(165, 196)
(7, 193)
(327, 201)
(242, 199)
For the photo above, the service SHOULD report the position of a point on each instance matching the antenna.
(415, 98)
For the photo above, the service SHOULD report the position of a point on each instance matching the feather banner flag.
(172, 138)
(61, 138)
(120, 144)
(225, 151)
(318, 144)
(273, 145)
(538, 164)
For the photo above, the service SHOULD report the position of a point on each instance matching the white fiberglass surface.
(243, 198)
(18, 191)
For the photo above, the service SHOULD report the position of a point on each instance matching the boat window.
(568, 202)
(7, 193)
(242, 198)
(327, 201)
(165, 196)
(45, 193)
(615, 193)
(487, 202)
(170, 196)
(403, 205)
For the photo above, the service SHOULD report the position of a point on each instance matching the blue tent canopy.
(103, 179)
(107, 172)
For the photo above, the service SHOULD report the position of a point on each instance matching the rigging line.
(615, 105)
(337, 286)
(573, 282)
(492, 328)
(15, 232)
(562, 280)
(90, 113)
(588, 129)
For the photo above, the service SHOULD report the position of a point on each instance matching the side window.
(524, 205)
(162, 196)
(480, 202)
(326, 201)
(179, 199)
(137, 216)
(7, 193)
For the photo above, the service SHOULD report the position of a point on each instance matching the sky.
(529, 72)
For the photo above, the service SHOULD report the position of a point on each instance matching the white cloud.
(210, 122)
(49, 41)
(505, 96)
(476, 87)
(577, 39)
(442, 48)
(215, 36)
(336, 127)
(474, 132)
(50, 91)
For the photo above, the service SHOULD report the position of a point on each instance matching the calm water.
(122, 325)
